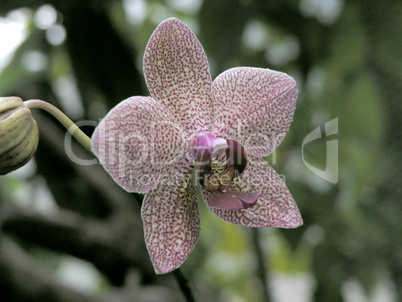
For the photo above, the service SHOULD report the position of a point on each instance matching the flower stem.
(261, 269)
(183, 284)
(78, 134)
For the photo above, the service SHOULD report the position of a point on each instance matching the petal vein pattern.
(138, 143)
(177, 74)
(171, 220)
(253, 106)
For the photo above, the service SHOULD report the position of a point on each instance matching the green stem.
(184, 286)
(261, 268)
(80, 136)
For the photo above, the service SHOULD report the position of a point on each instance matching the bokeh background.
(69, 233)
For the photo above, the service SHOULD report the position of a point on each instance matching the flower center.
(219, 161)
(219, 174)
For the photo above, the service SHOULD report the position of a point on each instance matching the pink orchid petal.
(254, 106)
(177, 73)
(275, 205)
(138, 142)
(232, 200)
(171, 221)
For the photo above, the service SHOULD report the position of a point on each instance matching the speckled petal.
(275, 206)
(177, 73)
(171, 220)
(138, 142)
(253, 106)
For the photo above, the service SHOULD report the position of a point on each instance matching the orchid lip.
(232, 200)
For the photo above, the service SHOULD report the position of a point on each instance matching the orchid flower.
(194, 134)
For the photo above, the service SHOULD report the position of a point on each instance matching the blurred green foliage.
(347, 65)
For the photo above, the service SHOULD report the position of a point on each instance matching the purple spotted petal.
(138, 142)
(177, 74)
(275, 205)
(254, 106)
(171, 220)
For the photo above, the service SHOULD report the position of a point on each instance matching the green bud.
(19, 134)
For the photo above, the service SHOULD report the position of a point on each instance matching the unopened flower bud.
(19, 134)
